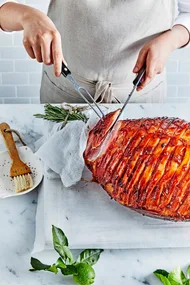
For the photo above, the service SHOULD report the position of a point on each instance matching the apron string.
(103, 92)
(103, 88)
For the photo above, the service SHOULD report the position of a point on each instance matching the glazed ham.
(143, 164)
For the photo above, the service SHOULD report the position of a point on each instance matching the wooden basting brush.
(19, 171)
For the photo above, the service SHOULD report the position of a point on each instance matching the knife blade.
(137, 82)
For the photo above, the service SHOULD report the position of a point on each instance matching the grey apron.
(101, 41)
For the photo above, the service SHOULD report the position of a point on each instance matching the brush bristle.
(23, 182)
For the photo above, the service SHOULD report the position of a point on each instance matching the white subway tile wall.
(20, 76)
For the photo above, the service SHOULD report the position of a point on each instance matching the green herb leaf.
(85, 274)
(188, 272)
(69, 270)
(60, 264)
(38, 265)
(162, 275)
(90, 256)
(177, 277)
(187, 282)
(161, 272)
(59, 237)
(57, 114)
(53, 269)
(60, 243)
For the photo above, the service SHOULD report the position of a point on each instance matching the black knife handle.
(138, 80)
(65, 71)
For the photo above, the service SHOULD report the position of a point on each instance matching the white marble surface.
(17, 217)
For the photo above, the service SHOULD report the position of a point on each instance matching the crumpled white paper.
(61, 150)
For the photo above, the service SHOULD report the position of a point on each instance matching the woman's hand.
(156, 52)
(42, 40)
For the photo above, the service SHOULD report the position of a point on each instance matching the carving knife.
(137, 82)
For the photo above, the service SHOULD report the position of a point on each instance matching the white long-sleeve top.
(182, 12)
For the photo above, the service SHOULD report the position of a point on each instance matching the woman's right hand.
(41, 39)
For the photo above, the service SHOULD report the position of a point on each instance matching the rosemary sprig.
(59, 114)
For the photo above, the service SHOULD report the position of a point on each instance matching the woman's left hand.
(156, 52)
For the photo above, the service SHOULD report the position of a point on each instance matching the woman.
(104, 43)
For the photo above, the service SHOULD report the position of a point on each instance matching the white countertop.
(17, 217)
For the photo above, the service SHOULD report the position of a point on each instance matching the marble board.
(91, 219)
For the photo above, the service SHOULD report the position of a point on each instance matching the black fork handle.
(65, 71)
(138, 80)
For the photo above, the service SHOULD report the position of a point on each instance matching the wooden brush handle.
(9, 141)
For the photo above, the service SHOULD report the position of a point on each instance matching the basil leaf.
(161, 272)
(60, 243)
(177, 277)
(60, 264)
(59, 237)
(90, 256)
(188, 272)
(53, 269)
(37, 265)
(69, 270)
(85, 274)
(162, 278)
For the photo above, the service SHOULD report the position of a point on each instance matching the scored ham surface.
(143, 164)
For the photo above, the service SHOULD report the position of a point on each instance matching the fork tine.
(118, 101)
(91, 106)
(92, 100)
(78, 88)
